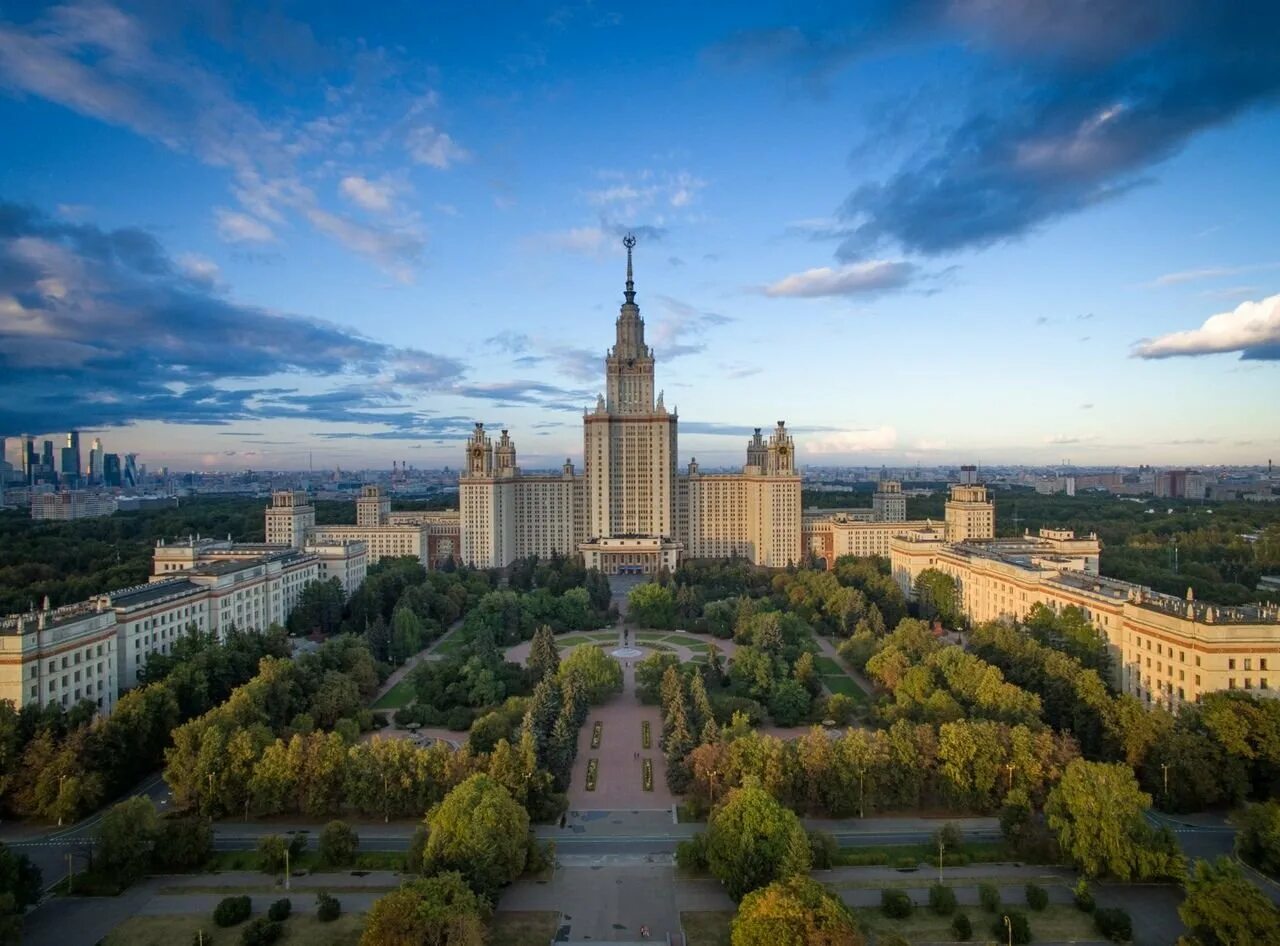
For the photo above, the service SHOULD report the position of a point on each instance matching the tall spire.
(629, 241)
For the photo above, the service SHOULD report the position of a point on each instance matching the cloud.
(851, 279)
(430, 146)
(682, 328)
(1210, 272)
(1252, 328)
(1090, 96)
(199, 269)
(1086, 407)
(525, 392)
(628, 193)
(133, 72)
(376, 196)
(1063, 440)
(851, 441)
(236, 227)
(101, 328)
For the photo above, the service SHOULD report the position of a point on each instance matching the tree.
(1258, 839)
(1222, 908)
(184, 843)
(596, 675)
(1097, 812)
(651, 605)
(797, 911)
(753, 840)
(20, 887)
(440, 910)
(544, 659)
(125, 838)
(789, 703)
(649, 675)
(338, 844)
(936, 596)
(480, 831)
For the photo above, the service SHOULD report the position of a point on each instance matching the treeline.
(559, 592)
(1221, 751)
(287, 742)
(59, 765)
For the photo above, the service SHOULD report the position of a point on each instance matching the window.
(1231, 663)
(1248, 683)
(1231, 683)
(1248, 663)
(1262, 684)
(1262, 663)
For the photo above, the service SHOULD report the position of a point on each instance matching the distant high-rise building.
(47, 466)
(888, 503)
(95, 461)
(111, 475)
(29, 462)
(130, 472)
(73, 444)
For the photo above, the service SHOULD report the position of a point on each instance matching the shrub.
(1114, 924)
(823, 850)
(1037, 897)
(417, 849)
(942, 900)
(459, 718)
(1084, 896)
(896, 904)
(328, 908)
(232, 910)
(185, 843)
(280, 910)
(297, 844)
(338, 844)
(989, 897)
(950, 837)
(261, 932)
(961, 928)
(1019, 930)
(840, 708)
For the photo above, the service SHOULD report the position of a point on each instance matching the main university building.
(632, 511)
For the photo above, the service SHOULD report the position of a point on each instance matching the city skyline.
(933, 237)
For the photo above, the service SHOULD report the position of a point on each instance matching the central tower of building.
(629, 447)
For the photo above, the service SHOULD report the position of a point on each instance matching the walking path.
(427, 653)
(829, 650)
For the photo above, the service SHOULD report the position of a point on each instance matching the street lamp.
(1009, 767)
(861, 795)
(1008, 925)
(61, 779)
(1164, 767)
(386, 800)
(714, 775)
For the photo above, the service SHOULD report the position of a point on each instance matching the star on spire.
(629, 241)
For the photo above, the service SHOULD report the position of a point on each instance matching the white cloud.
(1252, 328)
(371, 195)
(1209, 272)
(628, 193)
(235, 227)
(428, 145)
(849, 280)
(398, 251)
(593, 241)
(199, 269)
(851, 441)
(1062, 440)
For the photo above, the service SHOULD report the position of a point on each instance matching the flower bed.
(648, 775)
(595, 735)
(593, 767)
(644, 734)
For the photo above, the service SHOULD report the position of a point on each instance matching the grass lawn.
(1057, 922)
(524, 927)
(572, 640)
(828, 667)
(452, 645)
(845, 685)
(308, 861)
(398, 697)
(706, 927)
(911, 855)
(181, 929)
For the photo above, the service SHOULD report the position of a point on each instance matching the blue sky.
(976, 230)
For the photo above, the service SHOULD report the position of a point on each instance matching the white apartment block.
(630, 510)
(59, 657)
(71, 504)
(1167, 650)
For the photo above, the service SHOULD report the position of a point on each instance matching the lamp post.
(861, 796)
(61, 779)
(286, 868)
(386, 800)
(1164, 768)
(1008, 925)
(941, 847)
(714, 775)
(1009, 767)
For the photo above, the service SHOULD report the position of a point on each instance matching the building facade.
(1166, 650)
(630, 510)
(71, 504)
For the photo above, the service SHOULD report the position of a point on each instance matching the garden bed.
(593, 769)
(647, 777)
(597, 731)
(645, 738)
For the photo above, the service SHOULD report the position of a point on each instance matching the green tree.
(1258, 839)
(789, 703)
(20, 887)
(937, 596)
(595, 674)
(440, 910)
(125, 838)
(752, 840)
(796, 911)
(651, 605)
(649, 674)
(544, 658)
(1222, 908)
(338, 844)
(480, 831)
(1097, 812)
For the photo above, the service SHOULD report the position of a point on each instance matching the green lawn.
(828, 667)
(452, 645)
(1057, 922)
(398, 697)
(845, 685)
(307, 860)
(706, 927)
(181, 929)
(523, 927)
(912, 855)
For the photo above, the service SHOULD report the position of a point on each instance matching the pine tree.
(700, 712)
(670, 691)
(561, 749)
(540, 718)
(544, 658)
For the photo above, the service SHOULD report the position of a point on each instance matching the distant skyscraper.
(130, 475)
(47, 466)
(95, 461)
(111, 469)
(73, 445)
(29, 464)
